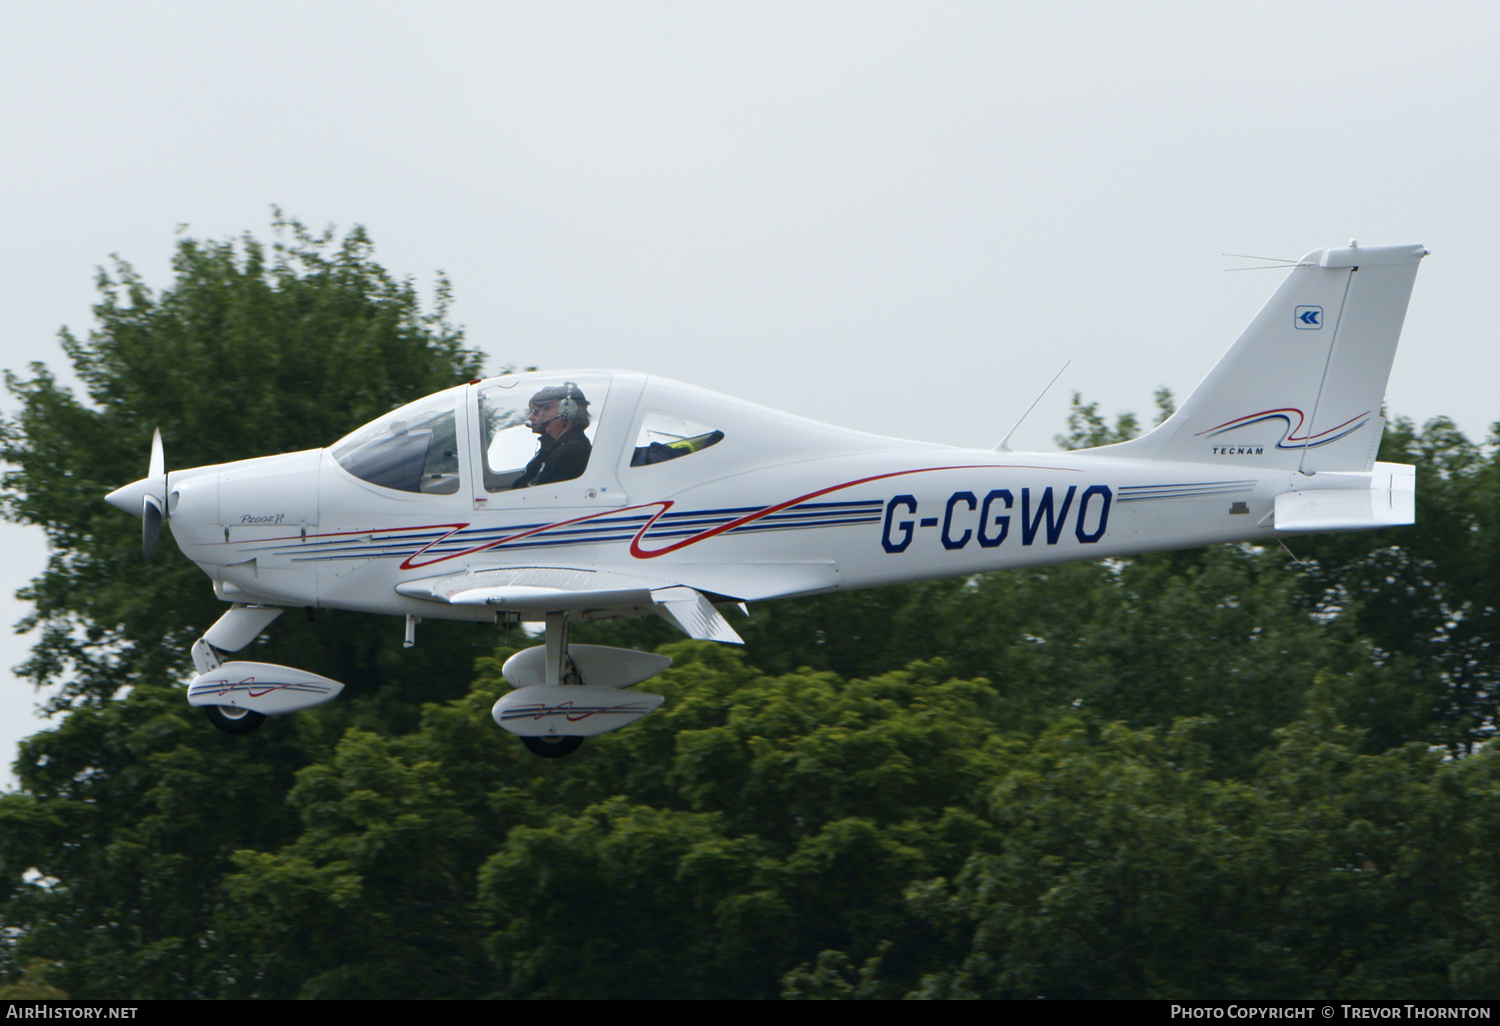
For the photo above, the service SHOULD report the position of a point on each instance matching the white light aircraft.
(558, 498)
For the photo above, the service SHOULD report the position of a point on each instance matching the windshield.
(412, 449)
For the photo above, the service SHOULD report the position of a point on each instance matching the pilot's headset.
(568, 406)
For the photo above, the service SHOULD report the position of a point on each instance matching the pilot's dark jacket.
(557, 459)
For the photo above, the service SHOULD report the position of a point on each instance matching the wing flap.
(538, 590)
(693, 614)
(534, 589)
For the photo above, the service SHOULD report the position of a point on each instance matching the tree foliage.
(1124, 871)
(1087, 428)
(252, 350)
(1232, 772)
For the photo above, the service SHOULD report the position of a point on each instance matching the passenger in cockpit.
(558, 413)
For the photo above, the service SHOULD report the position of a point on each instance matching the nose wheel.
(552, 747)
(233, 721)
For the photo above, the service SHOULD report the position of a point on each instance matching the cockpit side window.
(537, 431)
(413, 449)
(666, 436)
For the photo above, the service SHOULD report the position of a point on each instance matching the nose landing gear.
(232, 720)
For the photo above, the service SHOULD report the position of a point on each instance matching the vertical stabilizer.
(1303, 385)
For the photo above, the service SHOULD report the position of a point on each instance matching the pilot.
(558, 413)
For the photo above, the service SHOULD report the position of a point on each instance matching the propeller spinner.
(147, 498)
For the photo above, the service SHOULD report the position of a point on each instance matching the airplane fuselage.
(743, 520)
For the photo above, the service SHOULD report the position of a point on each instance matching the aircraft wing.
(541, 590)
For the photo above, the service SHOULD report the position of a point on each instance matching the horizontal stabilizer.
(1390, 501)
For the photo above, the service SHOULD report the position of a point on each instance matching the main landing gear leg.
(560, 670)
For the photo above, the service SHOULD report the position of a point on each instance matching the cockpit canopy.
(529, 430)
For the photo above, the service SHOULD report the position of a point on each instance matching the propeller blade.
(156, 507)
(158, 457)
(151, 517)
(149, 497)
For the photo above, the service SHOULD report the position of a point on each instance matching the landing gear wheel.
(549, 747)
(233, 721)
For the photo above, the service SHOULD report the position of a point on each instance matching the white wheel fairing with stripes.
(685, 502)
(261, 687)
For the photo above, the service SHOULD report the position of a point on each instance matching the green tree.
(749, 824)
(1124, 870)
(33, 985)
(1088, 429)
(1427, 597)
(1220, 633)
(251, 351)
(114, 850)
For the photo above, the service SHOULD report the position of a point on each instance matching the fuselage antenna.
(1004, 445)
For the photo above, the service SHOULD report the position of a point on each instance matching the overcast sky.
(900, 217)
